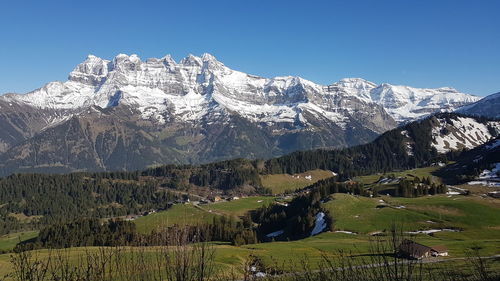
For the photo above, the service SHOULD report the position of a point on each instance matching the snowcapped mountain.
(488, 106)
(405, 103)
(126, 113)
(162, 89)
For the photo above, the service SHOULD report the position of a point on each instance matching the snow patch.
(319, 225)
(345, 232)
(429, 231)
(275, 234)
(467, 133)
(490, 174)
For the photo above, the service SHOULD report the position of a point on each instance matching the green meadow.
(189, 214)
(9, 241)
(279, 183)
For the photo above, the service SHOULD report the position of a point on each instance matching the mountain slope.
(479, 165)
(416, 144)
(488, 106)
(106, 139)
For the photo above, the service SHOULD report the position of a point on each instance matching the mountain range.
(126, 114)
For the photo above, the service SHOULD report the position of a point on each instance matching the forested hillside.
(42, 199)
(472, 163)
(386, 153)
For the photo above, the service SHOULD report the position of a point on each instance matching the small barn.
(439, 251)
(413, 250)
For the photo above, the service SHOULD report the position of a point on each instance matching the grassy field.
(188, 214)
(477, 218)
(9, 241)
(290, 255)
(180, 214)
(239, 207)
(419, 172)
(280, 183)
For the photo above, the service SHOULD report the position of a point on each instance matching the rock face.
(128, 114)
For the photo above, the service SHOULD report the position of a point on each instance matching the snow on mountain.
(162, 90)
(488, 106)
(188, 88)
(357, 87)
(462, 132)
(405, 103)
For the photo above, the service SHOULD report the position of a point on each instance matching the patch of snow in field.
(320, 224)
(260, 275)
(429, 231)
(346, 232)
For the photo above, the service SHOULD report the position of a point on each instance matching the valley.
(476, 217)
(465, 221)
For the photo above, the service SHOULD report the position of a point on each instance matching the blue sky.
(417, 43)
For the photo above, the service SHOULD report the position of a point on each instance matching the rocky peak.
(123, 62)
(168, 60)
(91, 71)
(191, 60)
(158, 87)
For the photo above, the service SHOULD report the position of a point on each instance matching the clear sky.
(409, 42)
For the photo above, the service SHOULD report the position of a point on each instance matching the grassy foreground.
(477, 219)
